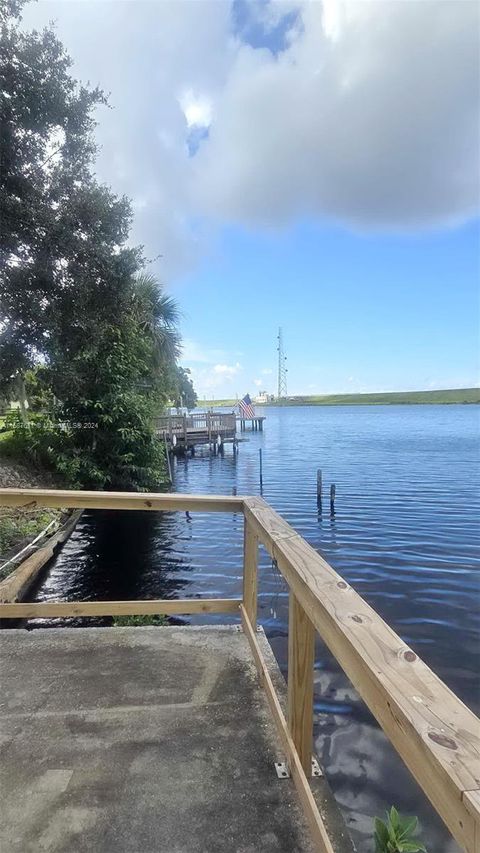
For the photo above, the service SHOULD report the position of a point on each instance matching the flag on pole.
(246, 407)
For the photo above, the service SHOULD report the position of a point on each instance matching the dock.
(256, 423)
(185, 432)
(126, 740)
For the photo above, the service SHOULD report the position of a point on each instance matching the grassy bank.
(453, 395)
(18, 525)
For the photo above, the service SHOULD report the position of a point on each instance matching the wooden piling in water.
(261, 466)
(319, 486)
(167, 454)
(332, 498)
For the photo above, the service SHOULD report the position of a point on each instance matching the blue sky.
(358, 312)
(310, 165)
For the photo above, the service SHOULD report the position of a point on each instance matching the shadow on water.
(404, 534)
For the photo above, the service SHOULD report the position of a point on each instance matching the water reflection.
(404, 534)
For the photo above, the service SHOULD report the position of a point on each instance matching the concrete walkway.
(139, 740)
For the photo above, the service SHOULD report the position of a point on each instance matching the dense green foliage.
(397, 834)
(184, 391)
(85, 334)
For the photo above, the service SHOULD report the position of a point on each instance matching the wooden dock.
(256, 423)
(434, 733)
(185, 432)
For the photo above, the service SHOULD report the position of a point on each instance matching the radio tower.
(282, 370)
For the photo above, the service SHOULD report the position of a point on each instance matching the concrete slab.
(139, 740)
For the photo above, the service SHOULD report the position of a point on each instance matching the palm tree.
(158, 316)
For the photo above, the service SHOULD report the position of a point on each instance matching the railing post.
(250, 565)
(301, 656)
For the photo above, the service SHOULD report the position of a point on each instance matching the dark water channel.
(405, 534)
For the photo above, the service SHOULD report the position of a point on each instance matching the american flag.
(245, 407)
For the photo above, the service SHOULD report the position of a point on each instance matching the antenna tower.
(282, 369)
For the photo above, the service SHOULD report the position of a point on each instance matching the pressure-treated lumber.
(250, 573)
(301, 657)
(162, 606)
(472, 804)
(119, 500)
(317, 826)
(436, 735)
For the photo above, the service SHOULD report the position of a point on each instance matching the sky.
(309, 165)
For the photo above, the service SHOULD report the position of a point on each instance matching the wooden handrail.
(76, 499)
(150, 607)
(436, 735)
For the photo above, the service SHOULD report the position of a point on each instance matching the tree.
(63, 257)
(72, 296)
(184, 393)
(157, 315)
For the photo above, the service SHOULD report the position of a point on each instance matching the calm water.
(405, 534)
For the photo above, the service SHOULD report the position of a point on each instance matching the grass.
(18, 527)
(139, 621)
(447, 396)
(9, 446)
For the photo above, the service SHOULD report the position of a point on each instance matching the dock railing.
(435, 734)
(213, 423)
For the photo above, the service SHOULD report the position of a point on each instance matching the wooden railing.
(436, 735)
(212, 423)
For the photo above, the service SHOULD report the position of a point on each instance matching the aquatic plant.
(396, 834)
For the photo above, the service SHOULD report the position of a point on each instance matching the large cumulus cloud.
(362, 113)
(369, 117)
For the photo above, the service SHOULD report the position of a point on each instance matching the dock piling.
(261, 466)
(332, 498)
(319, 487)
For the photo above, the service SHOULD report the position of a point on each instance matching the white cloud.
(216, 378)
(257, 382)
(197, 109)
(227, 370)
(267, 371)
(368, 115)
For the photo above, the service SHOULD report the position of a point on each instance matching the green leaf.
(408, 826)
(381, 836)
(394, 818)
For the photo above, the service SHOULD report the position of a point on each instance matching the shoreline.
(454, 396)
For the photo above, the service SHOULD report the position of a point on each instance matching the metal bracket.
(283, 771)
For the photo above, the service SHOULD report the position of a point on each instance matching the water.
(405, 535)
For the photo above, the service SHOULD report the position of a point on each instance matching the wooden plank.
(301, 657)
(250, 572)
(167, 501)
(64, 609)
(268, 525)
(436, 735)
(317, 826)
(472, 804)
